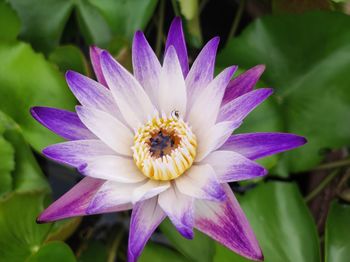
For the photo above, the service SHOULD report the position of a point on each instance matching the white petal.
(114, 168)
(230, 166)
(205, 109)
(180, 210)
(150, 189)
(131, 98)
(110, 194)
(200, 182)
(108, 129)
(211, 139)
(172, 92)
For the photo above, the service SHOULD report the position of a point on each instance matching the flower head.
(160, 142)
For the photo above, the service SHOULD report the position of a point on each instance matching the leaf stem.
(335, 164)
(236, 21)
(175, 7)
(160, 27)
(321, 186)
(114, 246)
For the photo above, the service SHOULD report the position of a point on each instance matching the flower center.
(164, 148)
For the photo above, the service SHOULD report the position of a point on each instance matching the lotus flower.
(160, 142)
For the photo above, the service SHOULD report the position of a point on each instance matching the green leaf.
(20, 235)
(63, 229)
(299, 6)
(159, 253)
(200, 248)
(25, 174)
(310, 77)
(337, 241)
(42, 21)
(126, 17)
(92, 24)
(9, 22)
(69, 57)
(7, 165)
(27, 80)
(53, 252)
(282, 223)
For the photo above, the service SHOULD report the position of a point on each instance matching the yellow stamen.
(164, 148)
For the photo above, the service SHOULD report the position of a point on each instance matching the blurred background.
(299, 212)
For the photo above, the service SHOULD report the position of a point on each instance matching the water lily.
(160, 142)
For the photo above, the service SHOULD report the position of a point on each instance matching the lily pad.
(337, 244)
(307, 61)
(201, 248)
(53, 252)
(70, 57)
(27, 80)
(159, 253)
(9, 22)
(282, 223)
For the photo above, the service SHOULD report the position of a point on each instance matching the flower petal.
(172, 92)
(200, 182)
(258, 145)
(146, 66)
(110, 130)
(111, 193)
(64, 123)
(179, 208)
(202, 70)
(243, 84)
(211, 139)
(239, 108)
(176, 38)
(145, 218)
(78, 152)
(149, 189)
(230, 166)
(226, 223)
(114, 168)
(131, 98)
(75, 202)
(95, 53)
(204, 111)
(92, 94)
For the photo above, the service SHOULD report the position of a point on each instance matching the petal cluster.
(110, 141)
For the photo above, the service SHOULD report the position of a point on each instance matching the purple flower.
(160, 142)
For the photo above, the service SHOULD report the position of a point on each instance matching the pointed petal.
(243, 84)
(211, 139)
(172, 91)
(92, 94)
(149, 189)
(64, 123)
(202, 70)
(146, 66)
(131, 98)
(145, 218)
(204, 111)
(226, 223)
(230, 166)
(78, 152)
(106, 127)
(75, 202)
(239, 108)
(176, 38)
(258, 145)
(95, 53)
(200, 182)
(179, 208)
(111, 193)
(114, 168)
